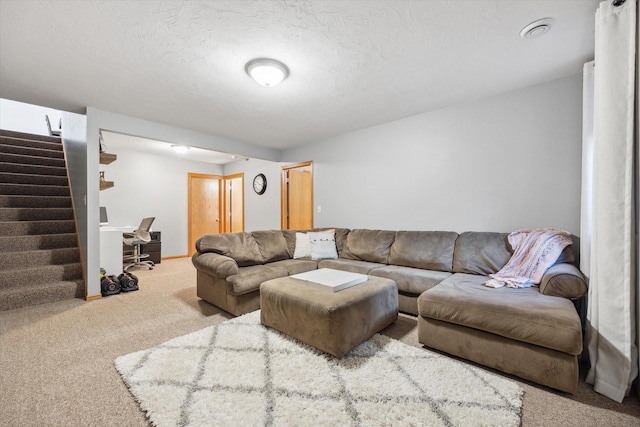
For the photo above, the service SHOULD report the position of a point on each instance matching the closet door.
(297, 196)
(204, 207)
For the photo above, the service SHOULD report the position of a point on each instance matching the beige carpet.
(57, 367)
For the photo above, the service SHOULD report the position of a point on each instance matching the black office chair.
(135, 239)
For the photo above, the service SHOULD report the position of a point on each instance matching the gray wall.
(261, 212)
(499, 164)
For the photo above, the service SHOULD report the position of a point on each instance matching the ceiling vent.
(537, 28)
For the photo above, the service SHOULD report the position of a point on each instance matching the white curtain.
(609, 202)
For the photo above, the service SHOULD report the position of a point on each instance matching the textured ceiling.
(354, 64)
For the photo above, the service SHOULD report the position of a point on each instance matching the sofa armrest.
(216, 265)
(563, 280)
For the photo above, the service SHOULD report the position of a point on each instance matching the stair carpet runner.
(39, 254)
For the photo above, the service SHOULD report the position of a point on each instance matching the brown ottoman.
(334, 322)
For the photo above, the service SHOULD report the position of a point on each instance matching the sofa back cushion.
(368, 245)
(429, 250)
(481, 252)
(272, 245)
(290, 238)
(242, 247)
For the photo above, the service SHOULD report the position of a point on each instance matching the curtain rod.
(618, 2)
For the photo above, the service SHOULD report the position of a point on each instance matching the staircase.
(39, 254)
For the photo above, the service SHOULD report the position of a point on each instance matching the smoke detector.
(537, 28)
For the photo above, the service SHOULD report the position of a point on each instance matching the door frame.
(226, 202)
(190, 175)
(284, 192)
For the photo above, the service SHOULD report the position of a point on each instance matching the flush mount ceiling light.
(267, 72)
(537, 28)
(180, 148)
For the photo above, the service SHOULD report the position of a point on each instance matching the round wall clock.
(260, 184)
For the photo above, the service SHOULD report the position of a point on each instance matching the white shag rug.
(240, 373)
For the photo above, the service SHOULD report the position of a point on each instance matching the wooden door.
(234, 203)
(204, 207)
(297, 196)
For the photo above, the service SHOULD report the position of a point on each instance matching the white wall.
(499, 164)
(152, 185)
(261, 212)
(28, 118)
(74, 137)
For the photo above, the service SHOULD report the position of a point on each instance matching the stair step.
(39, 253)
(36, 214)
(24, 277)
(25, 178)
(38, 242)
(30, 151)
(40, 293)
(32, 169)
(21, 135)
(34, 190)
(31, 160)
(40, 202)
(16, 260)
(30, 228)
(31, 143)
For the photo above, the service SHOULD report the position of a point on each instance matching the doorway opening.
(216, 205)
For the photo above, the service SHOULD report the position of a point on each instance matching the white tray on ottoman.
(334, 280)
(334, 322)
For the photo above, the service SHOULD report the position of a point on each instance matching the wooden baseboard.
(93, 297)
(175, 257)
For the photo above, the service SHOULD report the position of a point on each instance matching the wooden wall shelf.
(105, 184)
(106, 158)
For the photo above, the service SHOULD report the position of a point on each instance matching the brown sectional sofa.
(534, 333)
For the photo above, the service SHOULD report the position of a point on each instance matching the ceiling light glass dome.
(267, 72)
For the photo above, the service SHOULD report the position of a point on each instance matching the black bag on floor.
(110, 285)
(128, 282)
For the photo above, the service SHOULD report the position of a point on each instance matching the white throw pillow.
(323, 245)
(303, 247)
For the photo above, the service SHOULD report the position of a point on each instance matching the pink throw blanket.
(534, 251)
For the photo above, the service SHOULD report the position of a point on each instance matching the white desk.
(111, 248)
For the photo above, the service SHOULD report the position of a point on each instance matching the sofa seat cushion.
(520, 314)
(295, 266)
(250, 278)
(411, 281)
(355, 266)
